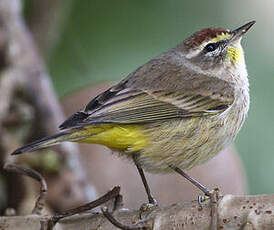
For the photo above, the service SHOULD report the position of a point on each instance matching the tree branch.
(21, 170)
(234, 212)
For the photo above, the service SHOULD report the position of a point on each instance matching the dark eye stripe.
(211, 47)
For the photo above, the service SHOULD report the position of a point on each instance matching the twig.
(115, 192)
(214, 196)
(142, 225)
(51, 222)
(21, 170)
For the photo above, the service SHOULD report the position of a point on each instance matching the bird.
(173, 113)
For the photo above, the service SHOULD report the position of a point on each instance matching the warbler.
(176, 111)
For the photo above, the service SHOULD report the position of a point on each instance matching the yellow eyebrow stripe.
(220, 37)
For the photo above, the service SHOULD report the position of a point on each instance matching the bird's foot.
(202, 198)
(148, 207)
(209, 196)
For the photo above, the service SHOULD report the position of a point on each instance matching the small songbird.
(174, 112)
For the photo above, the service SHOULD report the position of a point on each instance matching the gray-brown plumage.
(181, 108)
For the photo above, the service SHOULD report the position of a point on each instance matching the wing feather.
(158, 90)
(140, 107)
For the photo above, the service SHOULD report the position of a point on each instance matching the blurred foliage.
(105, 40)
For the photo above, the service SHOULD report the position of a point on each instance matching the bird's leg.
(193, 181)
(212, 195)
(151, 199)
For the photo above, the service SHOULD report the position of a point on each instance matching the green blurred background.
(105, 40)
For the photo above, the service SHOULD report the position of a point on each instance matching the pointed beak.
(239, 32)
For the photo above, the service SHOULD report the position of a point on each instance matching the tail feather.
(44, 142)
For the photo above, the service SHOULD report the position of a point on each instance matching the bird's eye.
(211, 47)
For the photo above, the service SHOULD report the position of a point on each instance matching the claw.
(147, 207)
(202, 198)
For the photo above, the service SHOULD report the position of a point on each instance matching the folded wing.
(134, 106)
(158, 90)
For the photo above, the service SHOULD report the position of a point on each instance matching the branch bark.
(229, 212)
(234, 212)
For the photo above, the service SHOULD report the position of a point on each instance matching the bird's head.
(214, 49)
